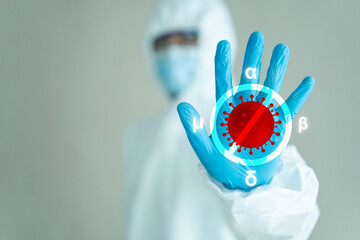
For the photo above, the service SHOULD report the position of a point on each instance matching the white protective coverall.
(169, 195)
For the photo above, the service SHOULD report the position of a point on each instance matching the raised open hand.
(264, 125)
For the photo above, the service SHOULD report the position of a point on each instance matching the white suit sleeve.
(286, 208)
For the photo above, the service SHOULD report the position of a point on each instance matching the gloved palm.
(218, 166)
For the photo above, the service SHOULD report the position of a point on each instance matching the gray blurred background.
(73, 76)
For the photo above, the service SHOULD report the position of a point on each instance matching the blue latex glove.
(231, 174)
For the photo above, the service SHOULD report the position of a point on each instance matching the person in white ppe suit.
(169, 194)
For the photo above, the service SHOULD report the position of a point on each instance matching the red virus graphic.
(250, 124)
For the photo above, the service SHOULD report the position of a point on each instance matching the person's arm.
(280, 201)
(286, 208)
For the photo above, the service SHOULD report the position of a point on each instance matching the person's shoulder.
(137, 134)
(141, 130)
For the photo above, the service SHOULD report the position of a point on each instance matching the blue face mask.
(176, 67)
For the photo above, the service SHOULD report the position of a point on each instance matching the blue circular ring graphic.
(270, 95)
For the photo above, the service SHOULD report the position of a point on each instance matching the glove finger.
(277, 69)
(252, 59)
(223, 71)
(299, 95)
(278, 64)
(198, 139)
